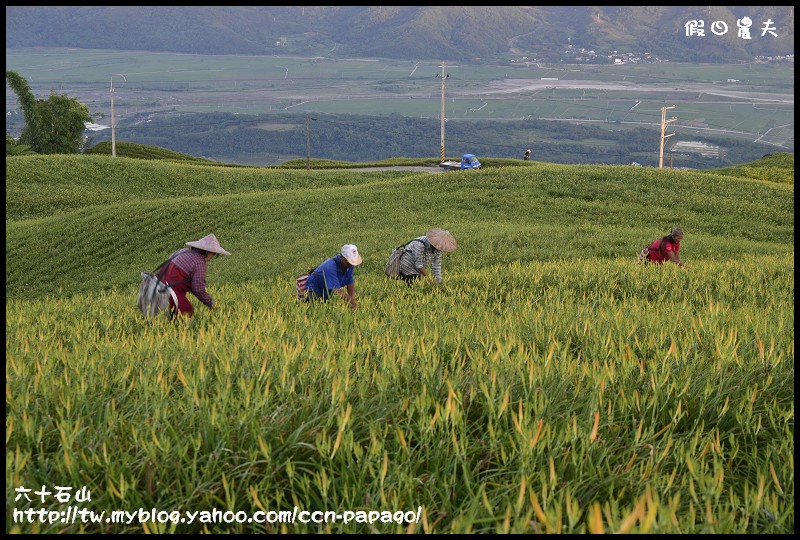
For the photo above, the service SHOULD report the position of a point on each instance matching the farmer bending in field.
(664, 249)
(335, 275)
(187, 272)
(426, 251)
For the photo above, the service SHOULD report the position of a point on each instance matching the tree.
(52, 126)
(14, 149)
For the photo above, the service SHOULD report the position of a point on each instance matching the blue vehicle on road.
(468, 161)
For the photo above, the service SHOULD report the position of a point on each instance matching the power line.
(412, 132)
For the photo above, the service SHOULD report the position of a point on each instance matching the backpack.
(154, 294)
(393, 264)
(644, 255)
(301, 285)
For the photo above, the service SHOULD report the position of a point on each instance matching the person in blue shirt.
(335, 275)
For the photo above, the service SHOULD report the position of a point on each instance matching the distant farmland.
(758, 107)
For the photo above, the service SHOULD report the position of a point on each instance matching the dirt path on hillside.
(396, 168)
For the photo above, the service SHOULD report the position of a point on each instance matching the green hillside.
(143, 151)
(84, 223)
(550, 385)
(771, 168)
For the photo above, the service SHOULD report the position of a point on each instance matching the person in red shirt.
(186, 272)
(667, 248)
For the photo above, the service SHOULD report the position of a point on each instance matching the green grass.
(118, 213)
(552, 385)
(142, 151)
(777, 167)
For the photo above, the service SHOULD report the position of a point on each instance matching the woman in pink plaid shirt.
(187, 273)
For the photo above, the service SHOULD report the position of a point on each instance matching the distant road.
(511, 86)
(396, 168)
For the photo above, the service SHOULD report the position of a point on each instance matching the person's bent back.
(187, 270)
(666, 248)
(335, 275)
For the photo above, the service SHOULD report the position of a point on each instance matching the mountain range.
(480, 33)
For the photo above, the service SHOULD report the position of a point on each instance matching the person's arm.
(199, 285)
(674, 257)
(418, 250)
(349, 295)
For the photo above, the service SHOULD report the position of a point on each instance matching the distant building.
(89, 126)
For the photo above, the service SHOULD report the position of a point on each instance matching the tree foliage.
(52, 126)
(359, 138)
(15, 149)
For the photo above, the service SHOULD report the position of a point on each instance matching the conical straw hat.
(441, 239)
(208, 243)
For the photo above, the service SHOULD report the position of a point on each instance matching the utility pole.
(308, 141)
(308, 144)
(113, 128)
(664, 123)
(443, 78)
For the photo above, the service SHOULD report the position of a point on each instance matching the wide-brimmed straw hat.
(350, 252)
(441, 239)
(208, 243)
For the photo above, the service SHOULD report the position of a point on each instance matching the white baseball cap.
(350, 252)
